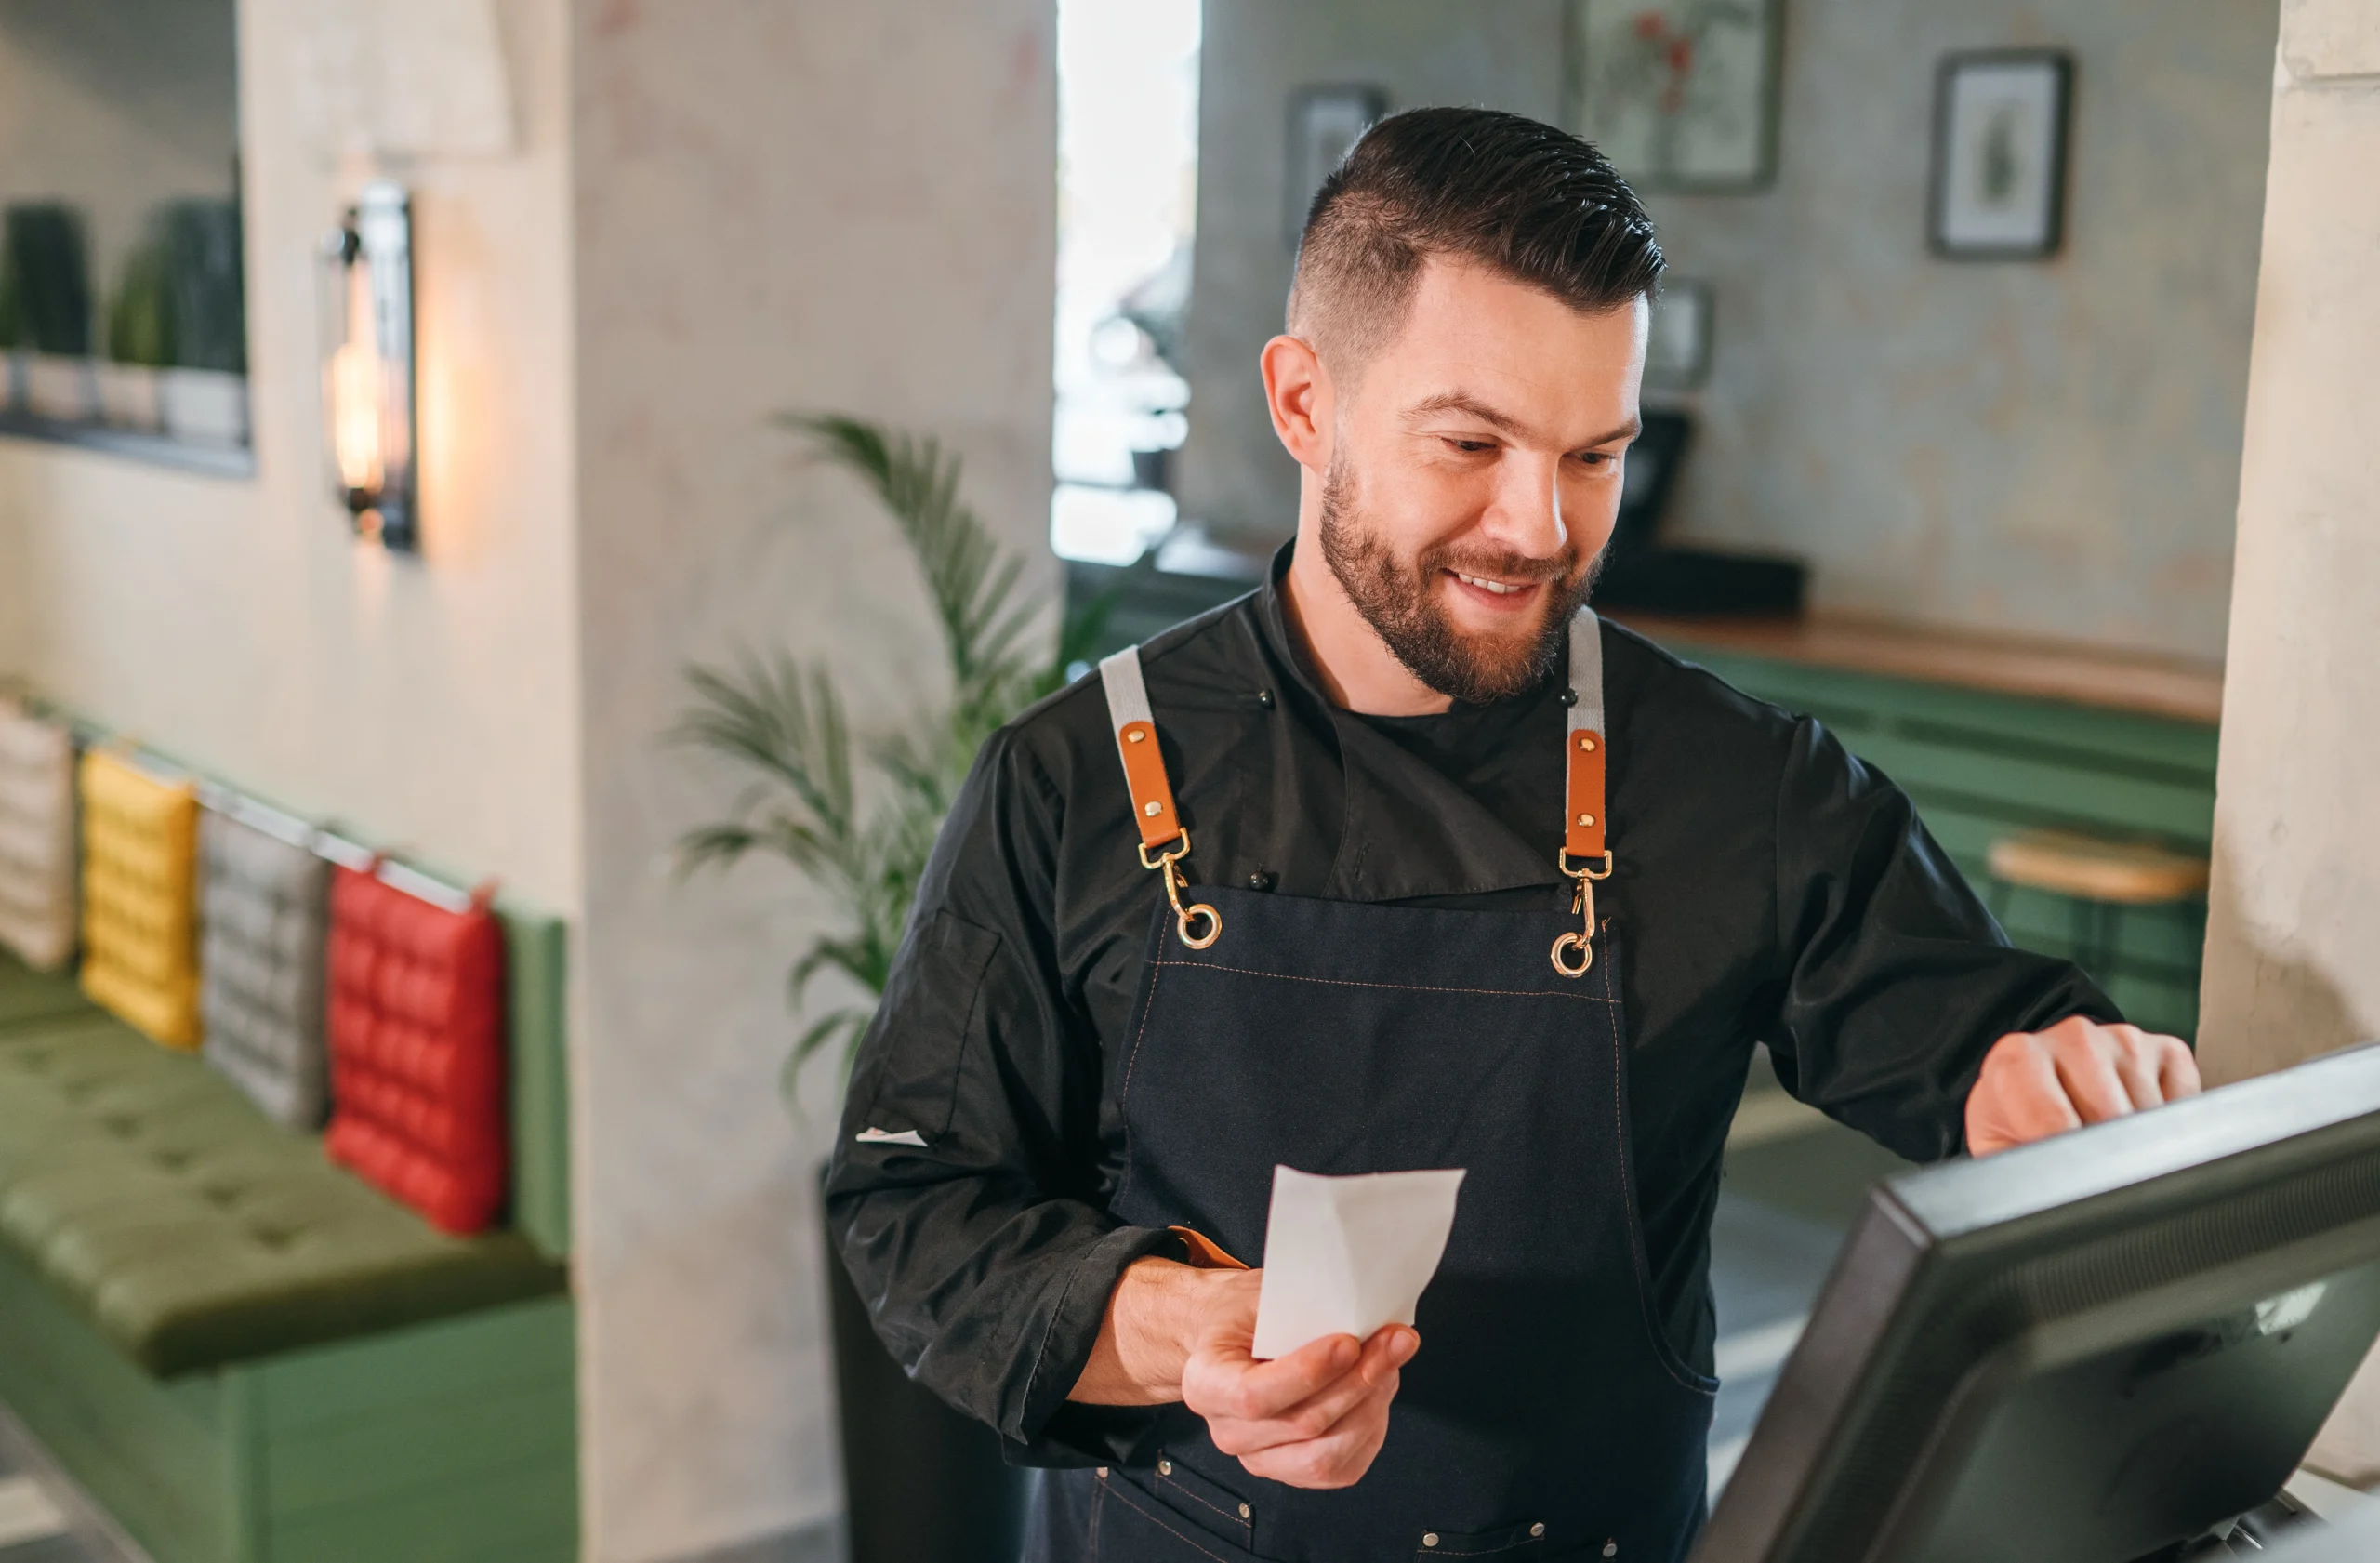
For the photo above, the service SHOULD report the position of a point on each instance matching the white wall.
(2295, 913)
(233, 622)
(2047, 447)
(778, 204)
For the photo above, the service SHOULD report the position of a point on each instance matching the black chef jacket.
(1767, 887)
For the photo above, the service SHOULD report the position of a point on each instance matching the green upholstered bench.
(193, 1231)
(245, 1353)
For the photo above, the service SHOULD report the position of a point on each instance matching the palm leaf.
(782, 725)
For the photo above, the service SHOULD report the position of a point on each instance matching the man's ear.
(1299, 396)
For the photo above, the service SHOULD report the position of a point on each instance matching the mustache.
(1506, 566)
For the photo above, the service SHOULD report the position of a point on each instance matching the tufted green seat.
(188, 1228)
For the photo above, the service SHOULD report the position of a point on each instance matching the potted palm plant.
(923, 1484)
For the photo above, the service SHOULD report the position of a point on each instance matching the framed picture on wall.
(1681, 95)
(1677, 352)
(1324, 122)
(1998, 191)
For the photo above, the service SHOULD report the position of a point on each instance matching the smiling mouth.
(1496, 588)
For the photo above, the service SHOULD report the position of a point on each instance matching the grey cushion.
(264, 905)
(37, 858)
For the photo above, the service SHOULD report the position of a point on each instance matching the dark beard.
(1396, 601)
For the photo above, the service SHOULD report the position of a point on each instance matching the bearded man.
(1477, 881)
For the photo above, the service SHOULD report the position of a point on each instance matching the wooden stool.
(2100, 878)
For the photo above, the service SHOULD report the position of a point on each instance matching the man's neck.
(1356, 666)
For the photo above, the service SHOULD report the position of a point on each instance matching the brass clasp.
(1184, 915)
(1582, 901)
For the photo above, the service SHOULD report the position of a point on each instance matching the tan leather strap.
(1583, 823)
(1204, 1252)
(1144, 777)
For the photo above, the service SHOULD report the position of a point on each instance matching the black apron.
(1545, 1414)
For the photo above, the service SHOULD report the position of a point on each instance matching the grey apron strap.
(1152, 791)
(1585, 855)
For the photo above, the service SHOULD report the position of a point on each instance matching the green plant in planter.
(784, 722)
(140, 326)
(12, 316)
(49, 259)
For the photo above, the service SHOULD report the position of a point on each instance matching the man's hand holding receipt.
(1292, 1366)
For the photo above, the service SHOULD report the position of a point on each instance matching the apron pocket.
(1134, 1526)
(1215, 1508)
(1523, 1543)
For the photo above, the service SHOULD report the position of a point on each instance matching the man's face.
(1475, 476)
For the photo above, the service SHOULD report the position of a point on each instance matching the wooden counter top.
(2087, 675)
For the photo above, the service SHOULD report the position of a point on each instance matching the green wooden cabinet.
(448, 1442)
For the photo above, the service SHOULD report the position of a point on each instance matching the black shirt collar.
(1413, 830)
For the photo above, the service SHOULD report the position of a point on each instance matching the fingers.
(2085, 1063)
(2176, 1068)
(2035, 1084)
(2135, 1057)
(2019, 1098)
(1223, 1379)
(1338, 1458)
(1319, 1414)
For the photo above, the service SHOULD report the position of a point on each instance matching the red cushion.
(416, 1028)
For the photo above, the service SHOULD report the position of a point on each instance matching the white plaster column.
(2294, 920)
(781, 205)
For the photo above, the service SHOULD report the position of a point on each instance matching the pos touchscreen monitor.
(2091, 1349)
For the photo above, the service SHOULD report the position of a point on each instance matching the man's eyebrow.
(1465, 403)
(1462, 402)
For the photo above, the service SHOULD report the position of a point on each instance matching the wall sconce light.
(368, 423)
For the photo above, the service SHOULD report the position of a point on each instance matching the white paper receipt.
(1347, 1255)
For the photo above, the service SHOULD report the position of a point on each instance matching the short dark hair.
(1534, 203)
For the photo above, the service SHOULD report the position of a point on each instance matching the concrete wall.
(2049, 449)
(235, 623)
(2295, 913)
(778, 205)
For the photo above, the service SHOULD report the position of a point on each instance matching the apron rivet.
(1611, 1549)
(1537, 1529)
(1586, 743)
(1586, 819)
(1431, 1538)
(1102, 1473)
(1264, 698)
(1245, 1512)
(1165, 1467)
(1151, 808)
(1135, 735)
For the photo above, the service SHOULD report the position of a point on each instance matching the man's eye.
(1472, 447)
(1597, 457)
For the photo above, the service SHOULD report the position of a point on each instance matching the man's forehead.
(1481, 345)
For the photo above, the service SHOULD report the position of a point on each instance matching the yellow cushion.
(139, 906)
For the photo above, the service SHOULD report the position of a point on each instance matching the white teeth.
(1496, 587)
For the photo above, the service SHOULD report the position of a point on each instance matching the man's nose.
(1525, 515)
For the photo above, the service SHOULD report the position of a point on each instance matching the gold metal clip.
(1184, 915)
(1583, 902)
